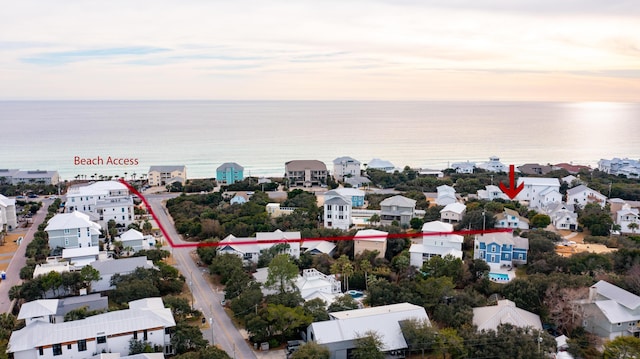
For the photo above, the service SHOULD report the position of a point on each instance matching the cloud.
(65, 57)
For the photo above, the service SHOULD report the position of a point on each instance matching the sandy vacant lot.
(579, 246)
(8, 249)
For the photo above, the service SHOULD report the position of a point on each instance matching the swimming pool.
(355, 293)
(499, 277)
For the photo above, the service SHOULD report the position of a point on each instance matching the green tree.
(187, 338)
(282, 273)
(540, 221)
(311, 350)
(622, 347)
(343, 267)
(374, 220)
(139, 346)
(317, 309)
(416, 223)
(342, 303)
(369, 346)
(209, 352)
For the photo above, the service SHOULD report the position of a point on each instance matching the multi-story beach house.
(504, 312)
(305, 173)
(492, 192)
(438, 240)
(581, 195)
(164, 175)
(493, 165)
(354, 195)
(539, 192)
(501, 249)
(145, 320)
(620, 166)
(8, 217)
(464, 167)
(611, 311)
(628, 219)
(103, 201)
(16, 177)
(397, 208)
(136, 241)
(563, 216)
(337, 211)
(229, 173)
(72, 230)
(345, 167)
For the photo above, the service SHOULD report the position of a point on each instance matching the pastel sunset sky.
(541, 50)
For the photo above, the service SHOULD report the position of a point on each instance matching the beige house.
(164, 175)
(371, 240)
(305, 173)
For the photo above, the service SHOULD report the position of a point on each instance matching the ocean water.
(263, 135)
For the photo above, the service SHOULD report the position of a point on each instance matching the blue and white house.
(354, 195)
(501, 249)
(229, 173)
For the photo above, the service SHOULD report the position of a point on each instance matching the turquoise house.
(229, 173)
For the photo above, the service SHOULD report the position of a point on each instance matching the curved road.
(19, 260)
(206, 298)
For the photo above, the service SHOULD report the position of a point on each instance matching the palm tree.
(374, 219)
(633, 226)
(366, 267)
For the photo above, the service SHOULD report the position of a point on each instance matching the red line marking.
(299, 240)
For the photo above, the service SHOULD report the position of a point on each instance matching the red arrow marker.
(512, 191)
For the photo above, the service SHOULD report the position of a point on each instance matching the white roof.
(349, 192)
(539, 181)
(72, 220)
(445, 189)
(380, 164)
(38, 308)
(615, 312)
(385, 320)
(437, 250)
(97, 188)
(7, 202)
(230, 242)
(345, 159)
(80, 252)
(131, 235)
(168, 168)
(122, 321)
(320, 246)
(398, 200)
(123, 265)
(489, 318)
(455, 207)
(617, 294)
(277, 234)
(437, 227)
(371, 235)
(337, 199)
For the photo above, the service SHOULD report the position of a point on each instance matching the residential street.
(206, 299)
(19, 260)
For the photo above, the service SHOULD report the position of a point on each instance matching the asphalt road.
(19, 260)
(206, 298)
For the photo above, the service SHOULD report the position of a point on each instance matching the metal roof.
(38, 308)
(71, 220)
(621, 296)
(398, 200)
(489, 318)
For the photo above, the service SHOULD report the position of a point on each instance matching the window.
(66, 241)
(82, 345)
(493, 249)
(135, 335)
(122, 210)
(57, 349)
(68, 346)
(101, 340)
(40, 351)
(144, 337)
(67, 231)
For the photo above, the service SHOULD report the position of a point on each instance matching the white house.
(581, 195)
(437, 240)
(354, 195)
(611, 311)
(464, 167)
(103, 201)
(511, 219)
(620, 166)
(446, 195)
(453, 212)
(625, 217)
(311, 284)
(345, 167)
(8, 217)
(539, 191)
(72, 230)
(136, 240)
(504, 312)
(381, 165)
(250, 248)
(318, 247)
(337, 212)
(339, 334)
(493, 165)
(146, 320)
(563, 216)
(16, 177)
(492, 192)
(81, 257)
